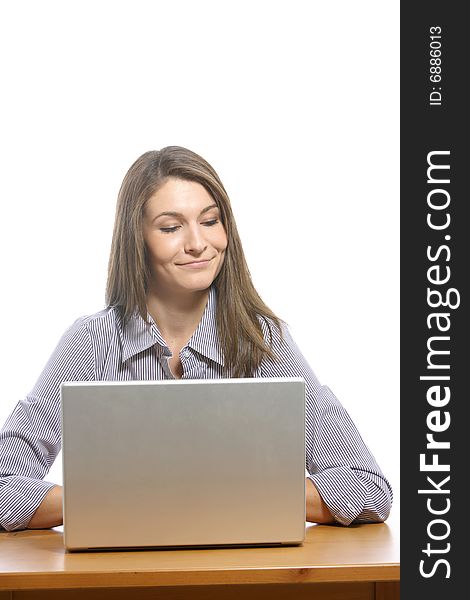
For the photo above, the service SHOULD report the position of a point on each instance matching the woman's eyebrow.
(170, 213)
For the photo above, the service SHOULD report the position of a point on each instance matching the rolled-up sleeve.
(338, 461)
(31, 436)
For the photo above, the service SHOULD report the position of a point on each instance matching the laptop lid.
(183, 463)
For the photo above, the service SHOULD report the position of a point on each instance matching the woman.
(181, 303)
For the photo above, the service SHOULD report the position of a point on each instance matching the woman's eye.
(175, 227)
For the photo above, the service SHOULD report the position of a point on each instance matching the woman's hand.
(49, 512)
(317, 511)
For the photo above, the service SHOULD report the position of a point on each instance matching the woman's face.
(185, 238)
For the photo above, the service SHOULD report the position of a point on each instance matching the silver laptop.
(210, 462)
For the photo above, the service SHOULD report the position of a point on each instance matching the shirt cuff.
(19, 500)
(343, 493)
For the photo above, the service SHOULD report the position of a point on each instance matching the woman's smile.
(197, 264)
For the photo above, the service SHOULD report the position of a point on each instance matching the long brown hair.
(239, 306)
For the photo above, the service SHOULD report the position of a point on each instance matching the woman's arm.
(30, 439)
(49, 512)
(344, 473)
(317, 510)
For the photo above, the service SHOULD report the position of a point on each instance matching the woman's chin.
(202, 283)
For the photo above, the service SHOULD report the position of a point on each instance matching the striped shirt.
(101, 347)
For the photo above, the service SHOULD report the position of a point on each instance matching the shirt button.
(186, 353)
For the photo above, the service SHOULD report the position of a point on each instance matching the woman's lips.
(196, 264)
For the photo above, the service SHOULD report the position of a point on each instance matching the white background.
(295, 104)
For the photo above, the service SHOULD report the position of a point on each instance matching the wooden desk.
(357, 562)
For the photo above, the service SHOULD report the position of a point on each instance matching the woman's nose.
(195, 241)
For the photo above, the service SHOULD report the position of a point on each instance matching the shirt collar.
(137, 335)
(205, 339)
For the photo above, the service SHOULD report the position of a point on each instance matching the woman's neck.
(177, 315)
